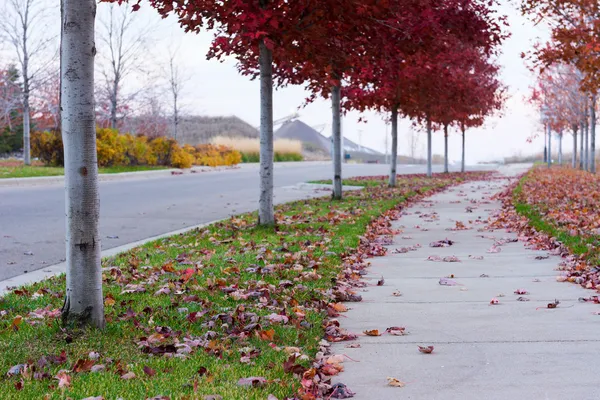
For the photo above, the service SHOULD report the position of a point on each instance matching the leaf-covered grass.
(379, 181)
(561, 203)
(22, 171)
(192, 314)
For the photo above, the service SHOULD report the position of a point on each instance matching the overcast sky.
(217, 89)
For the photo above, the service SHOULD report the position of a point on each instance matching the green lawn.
(21, 171)
(235, 300)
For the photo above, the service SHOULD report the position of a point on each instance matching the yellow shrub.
(181, 158)
(48, 147)
(116, 149)
(137, 150)
(110, 147)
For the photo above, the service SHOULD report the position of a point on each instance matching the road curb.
(60, 268)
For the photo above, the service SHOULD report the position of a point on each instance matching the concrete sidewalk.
(492, 352)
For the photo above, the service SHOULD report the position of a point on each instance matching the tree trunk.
(560, 138)
(337, 141)
(574, 159)
(587, 144)
(175, 118)
(581, 142)
(266, 213)
(114, 104)
(394, 160)
(26, 129)
(429, 155)
(462, 164)
(84, 303)
(549, 146)
(545, 145)
(592, 155)
(446, 148)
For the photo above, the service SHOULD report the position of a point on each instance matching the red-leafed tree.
(575, 40)
(418, 65)
(248, 30)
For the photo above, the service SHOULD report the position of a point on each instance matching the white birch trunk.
(462, 164)
(581, 142)
(394, 160)
(592, 155)
(337, 141)
(574, 159)
(549, 146)
(586, 160)
(84, 303)
(266, 213)
(26, 129)
(560, 139)
(446, 148)
(429, 149)
(114, 103)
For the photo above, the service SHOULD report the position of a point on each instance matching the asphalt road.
(32, 222)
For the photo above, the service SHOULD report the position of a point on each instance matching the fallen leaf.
(16, 369)
(494, 301)
(82, 365)
(374, 332)
(521, 291)
(426, 349)
(522, 299)
(149, 371)
(396, 330)
(396, 293)
(395, 382)
(381, 282)
(64, 380)
(253, 381)
(447, 282)
(16, 322)
(341, 391)
(128, 376)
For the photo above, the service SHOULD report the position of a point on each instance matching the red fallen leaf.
(373, 332)
(187, 274)
(290, 366)
(202, 371)
(396, 330)
(521, 291)
(60, 359)
(426, 349)
(64, 380)
(331, 369)
(253, 381)
(82, 365)
(149, 371)
(381, 282)
(19, 385)
(494, 301)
